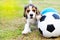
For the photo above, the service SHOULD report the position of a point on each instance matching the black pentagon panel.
(56, 16)
(42, 18)
(50, 28)
(40, 31)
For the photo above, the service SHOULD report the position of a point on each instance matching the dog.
(32, 14)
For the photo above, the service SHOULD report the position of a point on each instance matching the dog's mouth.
(31, 17)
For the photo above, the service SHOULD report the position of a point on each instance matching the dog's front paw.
(26, 32)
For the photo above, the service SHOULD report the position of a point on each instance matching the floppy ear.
(25, 15)
(38, 15)
(37, 12)
(24, 12)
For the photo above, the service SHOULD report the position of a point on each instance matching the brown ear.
(24, 11)
(38, 16)
(25, 15)
(37, 12)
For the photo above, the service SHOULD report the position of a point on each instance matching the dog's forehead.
(30, 6)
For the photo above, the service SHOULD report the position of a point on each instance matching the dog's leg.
(26, 29)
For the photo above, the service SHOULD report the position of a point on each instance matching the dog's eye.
(28, 11)
(33, 10)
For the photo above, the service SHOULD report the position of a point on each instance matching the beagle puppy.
(31, 14)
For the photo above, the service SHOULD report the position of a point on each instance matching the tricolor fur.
(31, 14)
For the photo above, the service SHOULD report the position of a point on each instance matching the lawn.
(12, 20)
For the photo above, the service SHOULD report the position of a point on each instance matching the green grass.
(6, 34)
(12, 22)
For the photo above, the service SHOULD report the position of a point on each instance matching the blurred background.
(12, 20)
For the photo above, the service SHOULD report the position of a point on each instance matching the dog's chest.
(32, 21)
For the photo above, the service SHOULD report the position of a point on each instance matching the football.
(49, 23)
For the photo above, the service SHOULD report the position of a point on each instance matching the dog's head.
(30, 11)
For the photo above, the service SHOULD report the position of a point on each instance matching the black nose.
(31, 14)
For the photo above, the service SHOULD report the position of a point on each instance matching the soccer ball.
(49, 23)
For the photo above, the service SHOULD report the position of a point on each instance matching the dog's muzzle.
(31, 16)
